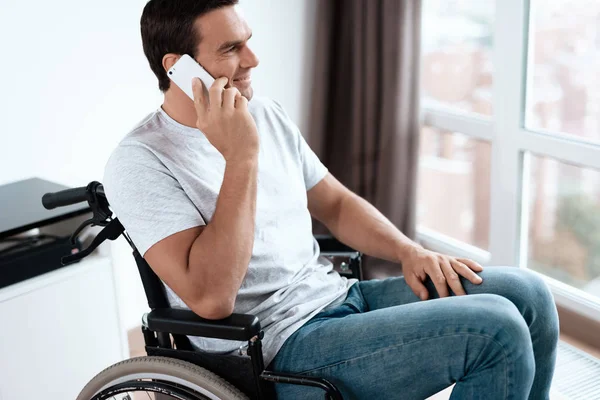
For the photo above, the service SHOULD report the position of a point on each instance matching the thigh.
(416, 349)
(517, 285)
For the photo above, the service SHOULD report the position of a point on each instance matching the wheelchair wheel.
(158, 378)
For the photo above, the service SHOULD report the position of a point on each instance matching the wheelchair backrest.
(153, 287)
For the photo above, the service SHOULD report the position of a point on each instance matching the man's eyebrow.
(232, 43)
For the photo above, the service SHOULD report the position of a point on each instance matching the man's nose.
(249, 60)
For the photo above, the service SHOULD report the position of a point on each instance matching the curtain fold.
(365, 105)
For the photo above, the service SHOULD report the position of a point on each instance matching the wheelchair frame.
(163, 322)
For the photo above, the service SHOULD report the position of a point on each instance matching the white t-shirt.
(165, 177)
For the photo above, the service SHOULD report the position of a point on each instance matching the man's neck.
(180, 108)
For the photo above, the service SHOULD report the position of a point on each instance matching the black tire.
(166, 369)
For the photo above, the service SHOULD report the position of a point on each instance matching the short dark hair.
(168, 27)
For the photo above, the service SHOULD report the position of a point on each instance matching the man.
(218, 195)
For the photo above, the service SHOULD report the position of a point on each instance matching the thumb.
(418, 288)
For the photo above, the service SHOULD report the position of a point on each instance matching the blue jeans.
(383, 342)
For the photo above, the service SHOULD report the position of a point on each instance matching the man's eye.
(232, 48)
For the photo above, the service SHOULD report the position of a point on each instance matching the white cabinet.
(58, 330)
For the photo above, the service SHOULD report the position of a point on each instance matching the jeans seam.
(416, 341)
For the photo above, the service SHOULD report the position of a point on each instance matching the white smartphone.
(186, 69)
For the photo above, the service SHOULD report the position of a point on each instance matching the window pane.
(564, 223)
(457, 54)
(454, 192)
(564, 54)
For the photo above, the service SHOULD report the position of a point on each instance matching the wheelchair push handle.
(94, 195)
(71, 196)
(64, 198)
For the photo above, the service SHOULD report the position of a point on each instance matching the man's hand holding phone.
(224, 119)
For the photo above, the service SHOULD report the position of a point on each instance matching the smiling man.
(218, 194)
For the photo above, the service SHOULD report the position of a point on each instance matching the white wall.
(64, 106)
(75, 80)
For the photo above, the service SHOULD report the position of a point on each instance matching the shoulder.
(142, 143)
(136, 154)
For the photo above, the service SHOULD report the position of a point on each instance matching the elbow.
(213, 308)
(218, 313)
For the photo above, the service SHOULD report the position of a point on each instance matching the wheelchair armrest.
(240, 327)
(329, 244)
(331, 247)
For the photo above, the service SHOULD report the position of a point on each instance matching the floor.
(136, 349)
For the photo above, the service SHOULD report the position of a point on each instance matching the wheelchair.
(173, 369)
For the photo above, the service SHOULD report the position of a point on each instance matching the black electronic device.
(29, 255)
(33, 257)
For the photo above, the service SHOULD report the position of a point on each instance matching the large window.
(457, 169)
(509, 170)
(563, 93)
(564, 222)
(457, 54)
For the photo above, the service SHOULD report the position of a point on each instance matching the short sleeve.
(147, 199)
(312, 168)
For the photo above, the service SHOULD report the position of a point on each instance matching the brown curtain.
(365, 104)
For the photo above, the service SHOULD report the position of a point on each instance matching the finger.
(417, 287)
(439, 280)
(199, 100)
(471, 264)
(466, 272)
(229, 96)
(241, 102)
(216, 92)
(452, 278)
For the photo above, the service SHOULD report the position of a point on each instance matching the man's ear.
(169, 60)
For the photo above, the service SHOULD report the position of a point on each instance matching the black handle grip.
(64, 198)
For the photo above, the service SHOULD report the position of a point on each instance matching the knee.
(539, 307)
(541, 314)
(500, 317)
(506, 327)
(532, 284)
(530, 293)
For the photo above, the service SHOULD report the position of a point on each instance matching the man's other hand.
(419, 263)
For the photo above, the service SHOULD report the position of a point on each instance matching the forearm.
(220, 256)
(361, 226)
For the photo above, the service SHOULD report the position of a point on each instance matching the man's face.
(223, 49)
